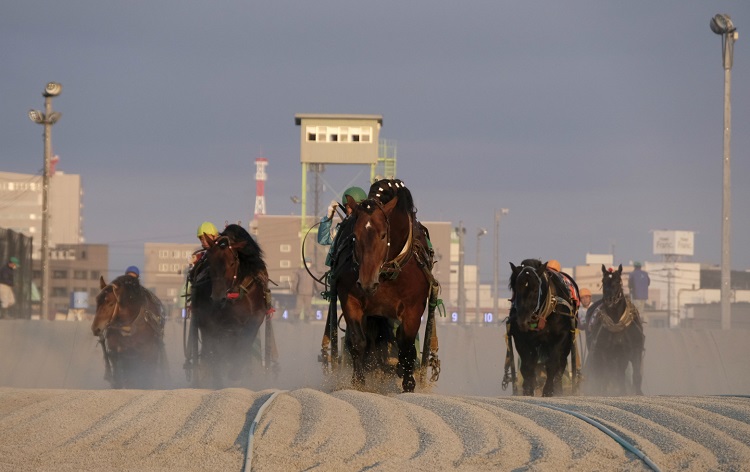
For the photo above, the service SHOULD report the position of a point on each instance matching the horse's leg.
(357, 342)
(554, 375)
(407, 353)
(637, 363)
(529, 359)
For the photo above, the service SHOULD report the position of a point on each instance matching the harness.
(626, 318)
(547, 304)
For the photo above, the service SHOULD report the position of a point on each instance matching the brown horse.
(386, 280)
(129, 322)
(616, 339)
(230, 301)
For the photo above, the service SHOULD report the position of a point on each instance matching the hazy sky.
(593, 122)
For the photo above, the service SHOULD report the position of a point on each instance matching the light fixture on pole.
(461, 232)
(722, 25)
(496, 262)
(48, 118)
(481, 232)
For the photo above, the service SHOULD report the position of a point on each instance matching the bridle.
(390, 268)
(125, 329)
(528, 269)
(612, 302)
(236, 287)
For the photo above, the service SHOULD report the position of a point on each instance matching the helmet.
(134, 270)
(553, 264)
(14, 260)
(585, 292)
(356, 193)
(636, 264)
(208, 228)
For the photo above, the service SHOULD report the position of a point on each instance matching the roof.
(324, 116)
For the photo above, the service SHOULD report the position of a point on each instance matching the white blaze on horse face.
(368, 225)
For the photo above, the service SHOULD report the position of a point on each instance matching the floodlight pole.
(481, 232)
(722, 25)
(496, 263)
(48, 118)
(461, 232)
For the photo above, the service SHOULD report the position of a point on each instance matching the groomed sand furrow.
(438, 444)
(726, 438)
(586, 445)
(485, 436)
(381, 417)
(325, 432)
(196, 430)
(653, 439)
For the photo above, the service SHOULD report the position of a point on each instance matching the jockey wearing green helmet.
(356, 193)
(326, 236)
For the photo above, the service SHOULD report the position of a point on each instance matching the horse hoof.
(409, 385)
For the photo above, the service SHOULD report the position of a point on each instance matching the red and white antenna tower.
(260, 186)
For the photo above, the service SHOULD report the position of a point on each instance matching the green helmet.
(356, 193)
(208, 228)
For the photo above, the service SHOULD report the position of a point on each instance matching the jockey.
(206, 231)
(553, 266)
(326, 235)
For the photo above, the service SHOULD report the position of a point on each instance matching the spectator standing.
(7, 297)
(638, 283)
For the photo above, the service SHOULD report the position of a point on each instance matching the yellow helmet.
(208, 228)
(554, 265)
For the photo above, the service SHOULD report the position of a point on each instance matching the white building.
(21, 207)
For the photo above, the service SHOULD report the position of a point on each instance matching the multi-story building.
(21, 207)
(74, 268)
(165, 273)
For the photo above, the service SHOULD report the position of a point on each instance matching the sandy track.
(307, 429)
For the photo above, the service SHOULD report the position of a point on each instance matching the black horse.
(616, 339)
(542, 324)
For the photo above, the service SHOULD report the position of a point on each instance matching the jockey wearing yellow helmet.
(207, 229)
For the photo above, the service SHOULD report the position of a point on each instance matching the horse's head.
(117, 303)
(373, 233)
(612, 286)
(527, 284)
(223, 265)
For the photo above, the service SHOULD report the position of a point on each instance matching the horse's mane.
(386, 189)
(251, 256)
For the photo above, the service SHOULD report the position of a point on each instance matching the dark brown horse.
(129, 322)
(615, 331)
(385, 281)
(542, 324)
(230, 300)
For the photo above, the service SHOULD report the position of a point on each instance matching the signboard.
(680, 243)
